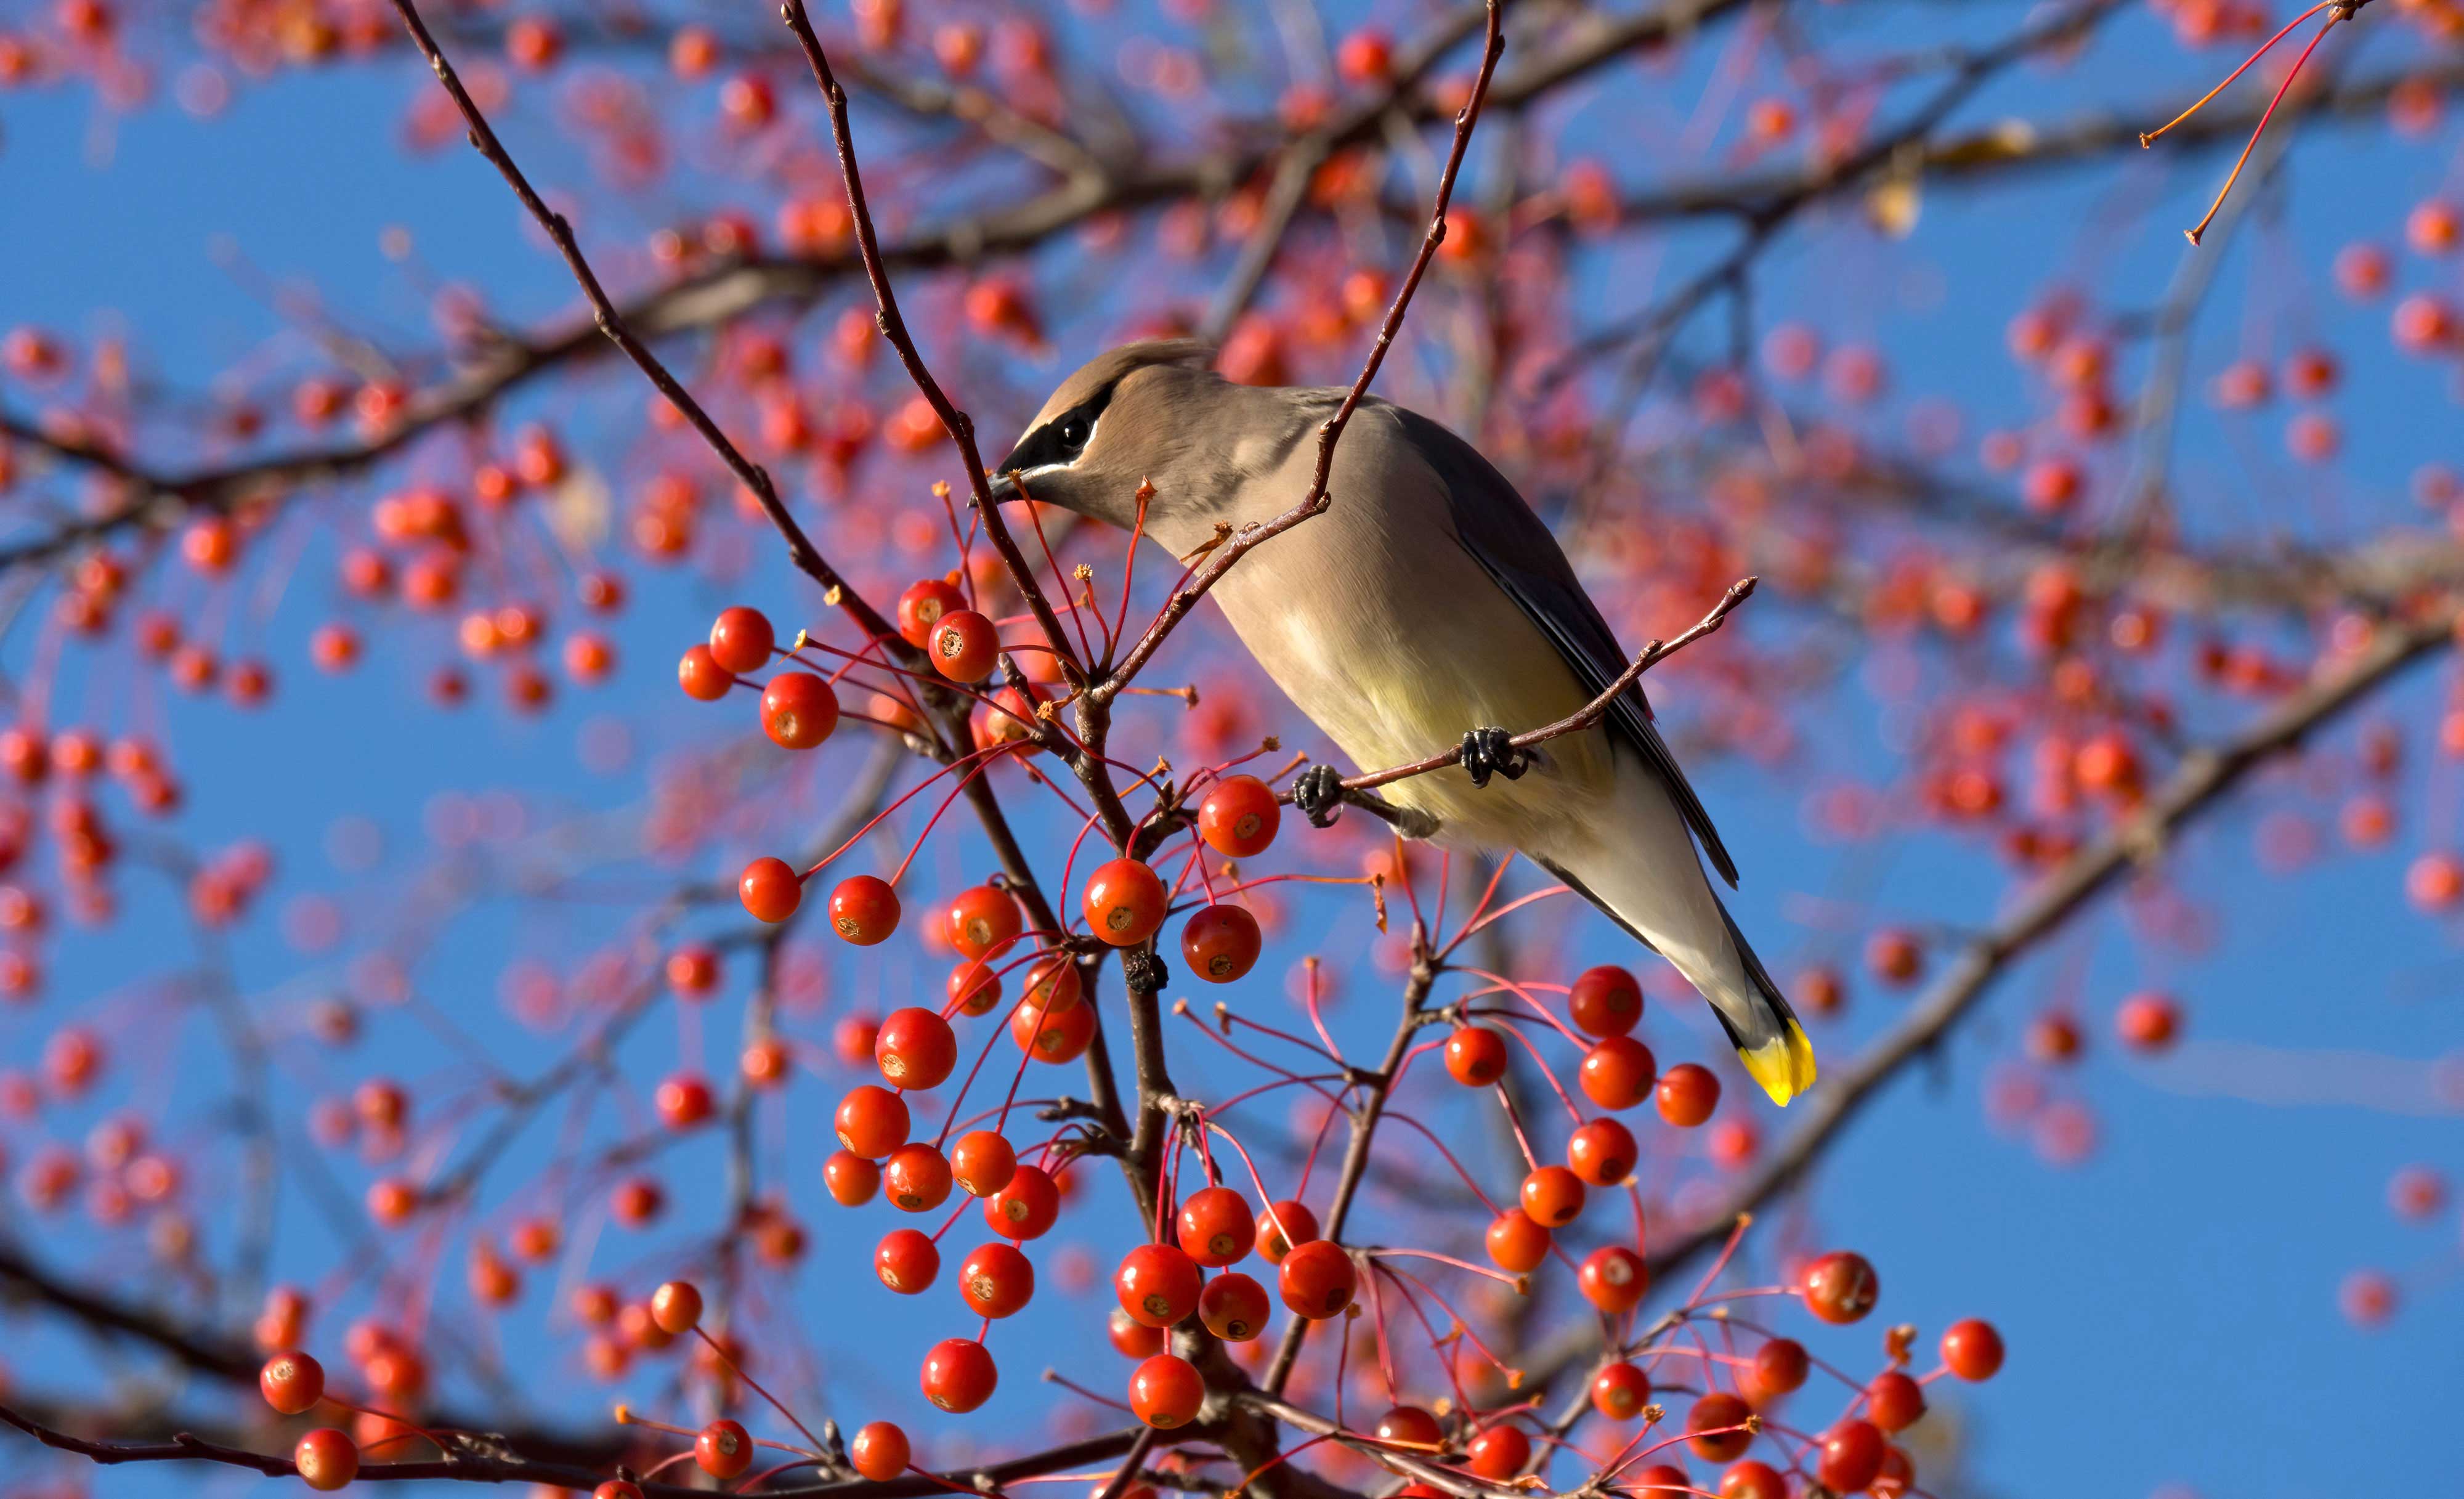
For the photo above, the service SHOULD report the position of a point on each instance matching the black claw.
(1318, 792)
(1144, 971)
(1487, 751)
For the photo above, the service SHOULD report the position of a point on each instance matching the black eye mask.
(1060, 440)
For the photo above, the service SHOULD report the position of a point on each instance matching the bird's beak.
(1004, 489)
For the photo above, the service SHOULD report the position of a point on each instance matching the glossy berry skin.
(1499, 1453)
(907, 1261)
(1476, 1055)
(1752, 1480)
(1052, 983)
(1972, 1350)
(916, 1178)
(1221, 942)
(916, 1048)
(959, 1375)
(1553, 1196)
(983, 920)
(1687, 1094)
(326, 1458)
(799, 710)
(1894, 1402)
(1124, 902)
(1238, 818)
(1026, 1208)
(1132, 1339)
(1317, 1280)
(1618, 1073)
(921, 608)
(975, 987)
(724, 1450)
(996, 1280)
(740, 640)
(1215, 1227)
(1839, 1287)
(1054, 1036)
(864, 909)
(1613, 1278)
(983, 1162)
(964, 646)
(617, 1489)
(1602, 1153)
(1158, 1283)
(1711, 1413)
(852, 1179)
(1781, 1366)
(770, 890)
(1606, 1001)
(880, 1451)
(676, 1307)
(1620, 1390)
(1852, 1456)
(703, 679)
(1284, 1218)
(1166, 1391)
(871, 1121)
(1234, 1307)
(1410, 1426)
(291, 1382)
(1516, 1243)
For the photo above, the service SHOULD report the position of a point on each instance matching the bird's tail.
(1640, 869)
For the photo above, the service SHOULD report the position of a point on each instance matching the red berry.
(1410, 1426)
(770, 890)
(1052, 983)
(975, 987)
(1780, 1366)
(1972, 1350)
(907, 1261)
(1498, 1454)
(1613, 1278)
(326, 1458)
(1158, 1283)
(871, 1121)
(1132, 1339)
(916, 1178)
(1234, 1307)
(1618, 1073)
(964, 646)
(683, 1101)
(1606, 1001)
(2149, 1022)
(1663, 1478)
(799, 710)
(1238, 816)
(1166, 1392)
(1602, 1153)
(1712, 1413)
(1852, 1456)
(959, 1375)
(880, 1451)
(724, 1450)
(1476, 1055)
(1839, 1287)
(292, 1383)
(1215, 1227)
(916, 1048)
(984, 920)
(1687, 1094)
(1553, 1196)
(740, 640)
(864, 909)
(1894, 1402)
(1317, 1279)
(702, 678)
(851, 1179)
(1124, 902)
(1282, 1225)
(983, 1162)
(1027, 1207)
(921, 608)
(996, 1280)
(1620, 1390)
(1516, 1243)
(1221, 942)
(1752, 1480)
(676, 1307)
(1052, 1035)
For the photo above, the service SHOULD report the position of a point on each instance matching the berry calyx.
(1620, 1390)
(799, 710)
(1234, 1307)
(916, 1048)
(1124, 902)
(907, 1261)
(996, 1280)
(724, 1450)
(1158, 1283)
(1221, 942)
(864, 909)
(983, 1162)
(1216, 1229)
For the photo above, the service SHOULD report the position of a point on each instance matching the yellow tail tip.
(1784, 1065)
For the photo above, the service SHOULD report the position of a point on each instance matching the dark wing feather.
(1515, 548)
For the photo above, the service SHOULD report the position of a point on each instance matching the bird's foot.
(1487, 751)
(1318, 791)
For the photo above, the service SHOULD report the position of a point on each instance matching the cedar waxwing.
(1425, 601)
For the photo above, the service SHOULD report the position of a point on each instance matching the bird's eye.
(1073, 432)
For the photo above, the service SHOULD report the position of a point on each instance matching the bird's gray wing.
(1514, 547)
